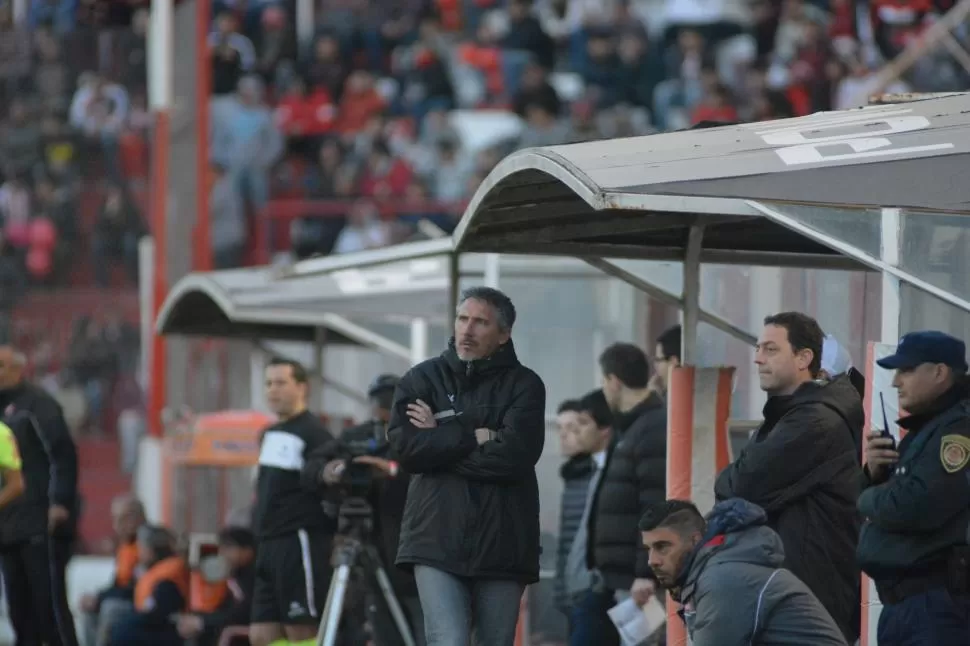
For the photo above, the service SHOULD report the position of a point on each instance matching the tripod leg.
(394, 606)
(330, 621)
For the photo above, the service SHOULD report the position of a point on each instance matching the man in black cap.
(387, 498)
(917, 503)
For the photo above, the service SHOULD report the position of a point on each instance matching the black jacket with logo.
(635, 477)
(49, 459)
(472, 510)
(803, 468)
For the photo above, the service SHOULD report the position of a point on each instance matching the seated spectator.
(12, 287)
(161, 591)
(58, 13)
(326, 70)
(543, 128)
(359, 103)
(384, 176)
(15, 210)
(275, 45)
(601, 68)
(247, 141)
(227, 218)
(237, 548)
(727, 573)
(300, 113)
(103, 609)
(639, 70)
(525, 34)
(99, 111)
(115, 237)
(715, 105)
(364, 230)
(534, 87)
(20, 144)
(453, 167)
(233, 54)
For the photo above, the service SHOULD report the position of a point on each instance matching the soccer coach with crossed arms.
(469, 426)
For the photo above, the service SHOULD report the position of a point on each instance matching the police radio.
(885, 422)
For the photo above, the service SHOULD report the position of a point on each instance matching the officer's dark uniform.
(914, 543)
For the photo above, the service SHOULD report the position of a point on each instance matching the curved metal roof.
(291, 303)
(638, 197)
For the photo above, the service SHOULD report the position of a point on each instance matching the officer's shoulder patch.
(954, 452)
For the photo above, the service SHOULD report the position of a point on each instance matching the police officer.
(917, 502)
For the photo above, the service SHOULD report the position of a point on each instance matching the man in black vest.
(917, 504)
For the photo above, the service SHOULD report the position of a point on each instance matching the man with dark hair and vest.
(161, 592)
(103, 609)
(37, 529)
(917, 503)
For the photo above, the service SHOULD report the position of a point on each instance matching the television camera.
(355, 519)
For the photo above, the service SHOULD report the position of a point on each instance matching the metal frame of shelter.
(314, 301)
(724, 195)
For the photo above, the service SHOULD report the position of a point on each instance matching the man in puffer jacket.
(469, 426)
(727, 573)
(634, 476)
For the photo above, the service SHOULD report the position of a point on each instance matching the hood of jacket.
(736, 533)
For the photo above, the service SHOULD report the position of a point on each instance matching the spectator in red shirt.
(360, 103)
(715, 106)
(384, 176)
(303, 114)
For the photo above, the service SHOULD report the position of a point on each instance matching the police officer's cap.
(382, 383)
(917, 348)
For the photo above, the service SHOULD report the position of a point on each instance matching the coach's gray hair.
(502, 304)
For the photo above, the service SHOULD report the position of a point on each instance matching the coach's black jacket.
(472, 510)
(49, 464)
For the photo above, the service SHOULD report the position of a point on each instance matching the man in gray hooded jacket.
(727, 573)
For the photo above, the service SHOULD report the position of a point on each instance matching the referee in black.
(37, 530)
(293, 531)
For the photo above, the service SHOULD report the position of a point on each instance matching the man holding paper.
(727, 573)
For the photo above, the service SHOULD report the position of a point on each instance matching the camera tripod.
(355, 523)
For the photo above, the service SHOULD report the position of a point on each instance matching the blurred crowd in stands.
(396, 110)
(73, 164)
(377, 124)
